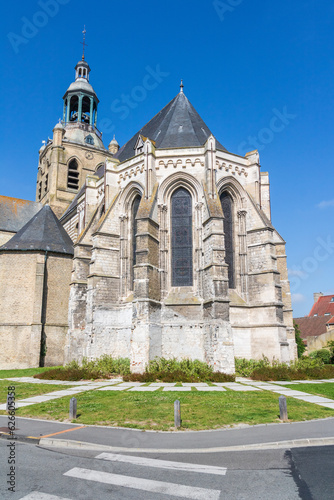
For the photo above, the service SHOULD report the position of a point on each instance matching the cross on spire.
(181, 87)
(84, 43)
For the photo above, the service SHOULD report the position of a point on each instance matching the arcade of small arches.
(80, 108)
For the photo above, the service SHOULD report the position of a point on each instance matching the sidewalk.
(51, 434)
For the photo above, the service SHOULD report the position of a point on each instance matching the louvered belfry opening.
(73, 175)
(227, 206)
(182, 245)
(134, 225)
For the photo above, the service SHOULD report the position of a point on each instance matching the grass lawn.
(26, 372)
(199, 410)
(326, 389)
(25, 390)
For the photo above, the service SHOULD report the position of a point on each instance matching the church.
(163, 247)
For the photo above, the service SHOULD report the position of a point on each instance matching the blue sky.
(243, 62)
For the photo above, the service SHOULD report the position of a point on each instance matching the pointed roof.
(44, 233)
(177, 125)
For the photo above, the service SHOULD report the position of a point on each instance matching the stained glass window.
(134, 224)
(182, 245)
(227, 206)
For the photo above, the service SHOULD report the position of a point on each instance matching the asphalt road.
(291, 474)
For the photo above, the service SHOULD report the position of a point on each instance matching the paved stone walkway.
(241, 384)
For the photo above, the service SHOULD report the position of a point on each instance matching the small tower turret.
(113, 146)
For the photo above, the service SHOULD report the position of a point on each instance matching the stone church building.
(174, 251)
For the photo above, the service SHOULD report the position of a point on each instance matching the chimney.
(317, 295)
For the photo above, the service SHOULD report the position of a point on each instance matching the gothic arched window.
(182, 244)
(134, 225)
(73, 175)
(227, 206)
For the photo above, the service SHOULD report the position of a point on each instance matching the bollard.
(73, 408)
(177, 413)
(283, 409)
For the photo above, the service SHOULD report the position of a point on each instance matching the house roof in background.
(324, 305)
(311, 326)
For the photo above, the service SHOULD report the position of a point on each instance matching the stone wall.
(22, 312)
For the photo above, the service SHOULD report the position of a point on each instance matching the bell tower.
(76, 149)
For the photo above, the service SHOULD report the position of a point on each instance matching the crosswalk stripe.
(177, 490)
(163, 464)
(37, 495)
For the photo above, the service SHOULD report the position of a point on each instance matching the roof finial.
(181, 87)
(84, 43)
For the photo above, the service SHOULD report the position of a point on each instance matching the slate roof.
(177, 125)
(323, 306)
(311, 326)
(15, 213)
(43, 232)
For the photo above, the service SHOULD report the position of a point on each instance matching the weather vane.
(84, 43)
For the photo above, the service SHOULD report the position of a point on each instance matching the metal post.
(283, 410)
(177, 413)
(73, 409)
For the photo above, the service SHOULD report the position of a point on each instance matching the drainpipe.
(43, 312)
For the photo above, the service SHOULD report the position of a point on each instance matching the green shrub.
(244, 367)
(185, 370)
(103, 367)
(177, 376)
(330, 346)
(194, 368)
(322, 354)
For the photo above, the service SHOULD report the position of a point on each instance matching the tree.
(330, 346)
(301, 348)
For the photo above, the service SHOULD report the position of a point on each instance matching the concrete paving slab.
(226, 384)
(327, 405)
(273, 388)
(18, 404)
(39, 399)
(64, 393)
(283, 382)
(162, 384)
(308, 382)
(144, 389)
(131, 384)
(314, 399)
(177, 389)
(211, 389)
(112, 388)
(194, 384)
(291, 393)
(243, 388)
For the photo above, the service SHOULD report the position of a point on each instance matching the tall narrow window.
(73, 175)
(134, 225)
(182, 245)
(227, 206)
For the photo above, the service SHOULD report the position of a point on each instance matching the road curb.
(18, 438)
(81, 445)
